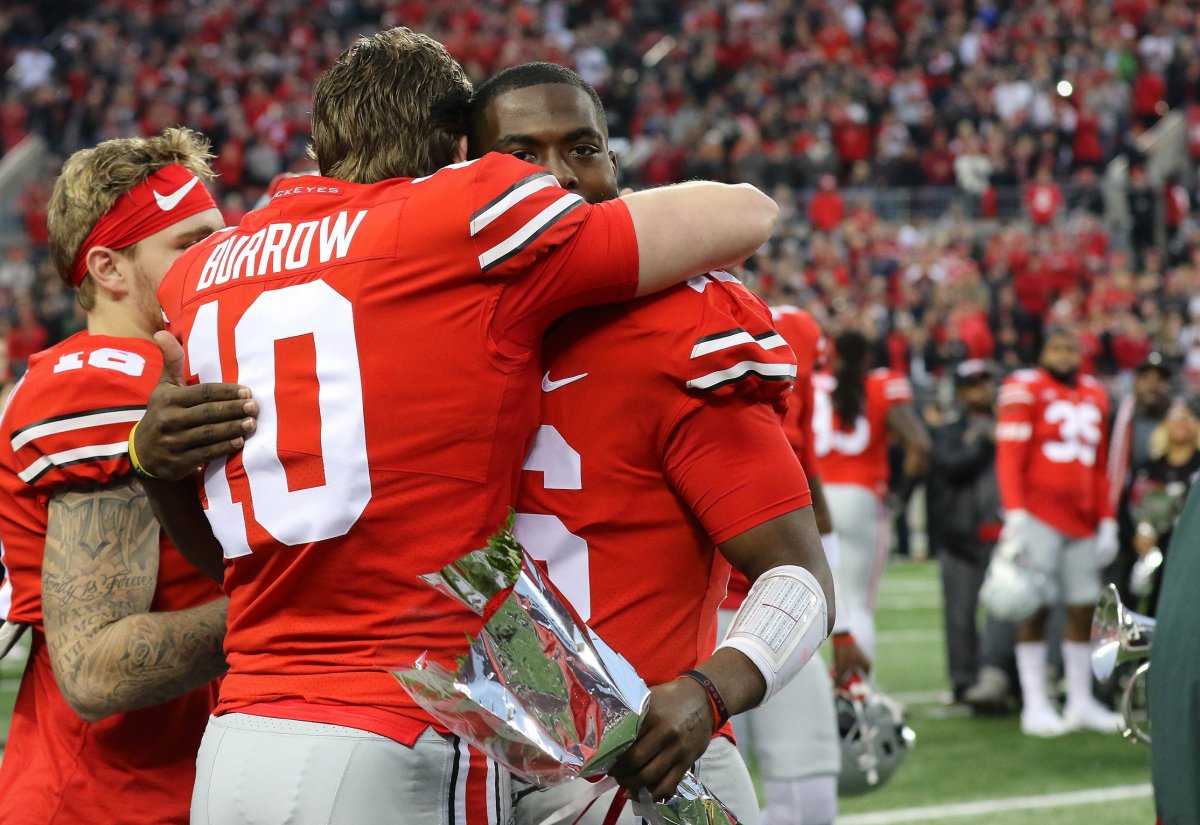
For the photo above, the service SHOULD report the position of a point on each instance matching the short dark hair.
(1059, 331)
(522, 77)
(1154, 362)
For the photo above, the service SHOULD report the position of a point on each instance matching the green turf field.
(958, 759)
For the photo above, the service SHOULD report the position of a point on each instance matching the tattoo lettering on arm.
(99, 573)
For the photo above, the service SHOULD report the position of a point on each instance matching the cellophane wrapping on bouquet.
(536, 689)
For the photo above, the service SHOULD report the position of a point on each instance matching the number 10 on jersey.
(291, 517)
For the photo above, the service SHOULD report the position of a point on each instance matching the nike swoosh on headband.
(168, 202)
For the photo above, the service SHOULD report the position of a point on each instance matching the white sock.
(1077, 663)
(1031, 668)
(808, 801)
(861, 624)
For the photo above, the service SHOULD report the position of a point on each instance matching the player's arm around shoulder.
(693, 227)
(99, 573)
(185, 427)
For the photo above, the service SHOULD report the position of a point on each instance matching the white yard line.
(985, 807)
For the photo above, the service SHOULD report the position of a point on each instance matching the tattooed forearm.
(98, 578)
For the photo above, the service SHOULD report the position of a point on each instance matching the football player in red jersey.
(855, 411)
(126, 636)
(794, 737)
(660, 444)
(1051, 455)
(389, 314)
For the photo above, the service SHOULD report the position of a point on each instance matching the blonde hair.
(392, 105)
(93, 179)
(1160, 442)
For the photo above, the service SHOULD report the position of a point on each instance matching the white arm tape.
(780, 625)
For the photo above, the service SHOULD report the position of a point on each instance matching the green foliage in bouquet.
(504, 551)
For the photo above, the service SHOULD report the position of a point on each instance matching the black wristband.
(718, 701)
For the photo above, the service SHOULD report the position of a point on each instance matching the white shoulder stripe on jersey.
(77, 422)
(771, 372)
(520, 193)
(460, 165)
(523, 236)
(1013, 431)
(1015, 395)
(76, 456)
(733, 338)
(700, 282)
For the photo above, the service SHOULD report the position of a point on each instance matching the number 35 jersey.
(391, 334)
(660, 438)
(1052, 448)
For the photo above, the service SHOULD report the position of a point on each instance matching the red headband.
(165, 198)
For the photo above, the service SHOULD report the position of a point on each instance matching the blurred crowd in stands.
(942, 165)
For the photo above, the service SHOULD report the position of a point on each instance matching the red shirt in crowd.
(1149, 90)
(826, 210)
(1043, 200)
(25, 340)
(976, 335)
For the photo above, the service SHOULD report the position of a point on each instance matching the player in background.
(1051, 449)
(855, 412)
(660, 444)
(794, 737)
(126, 635)
(389, 316)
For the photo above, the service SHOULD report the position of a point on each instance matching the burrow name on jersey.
(279, 247)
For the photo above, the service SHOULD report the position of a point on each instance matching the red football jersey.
(857, 455)
(1052, 450)
(636, 475)
(804, 336)
(66, 424)
(391, 334)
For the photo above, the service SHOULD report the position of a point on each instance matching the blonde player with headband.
(126, 636)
